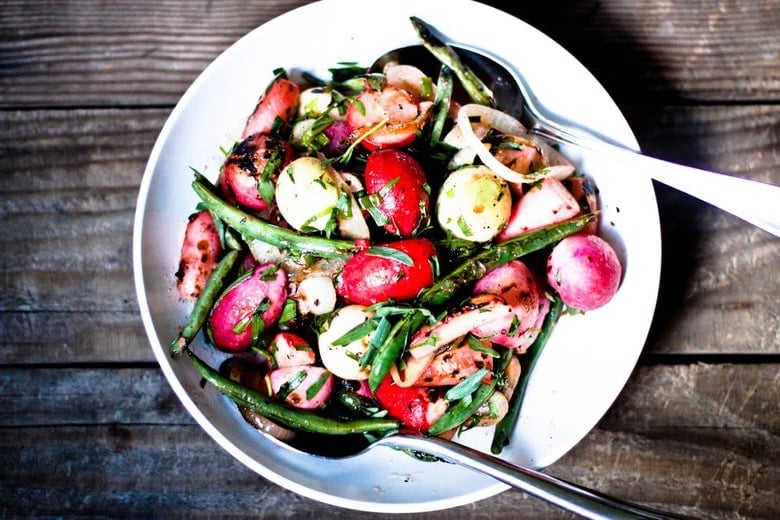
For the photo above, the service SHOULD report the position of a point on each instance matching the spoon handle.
(568, 496)
(753, 201)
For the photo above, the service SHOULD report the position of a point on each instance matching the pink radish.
(253, 302)
(545, 203)
(515, 284)
(306, 387)
(200, 252)
(276, 107)
(290, 350)
(585, 271)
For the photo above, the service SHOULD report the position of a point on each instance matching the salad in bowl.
(377, 254)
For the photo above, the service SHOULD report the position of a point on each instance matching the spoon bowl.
(568, 496)
(751, 200)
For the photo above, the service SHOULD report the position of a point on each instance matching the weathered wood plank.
(690, 51)
(117, 53)
(700, 440)
(73, 337)
(171, 472)
(126, 53)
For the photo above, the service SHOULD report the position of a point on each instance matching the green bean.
(357, 403)
(475, 87)
(205, 301)
(389, 352)
(506, 426)
(287, 415)
(441, 105)
(462, 410)
(476, 266)
(253, 228)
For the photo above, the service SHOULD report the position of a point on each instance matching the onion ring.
(505, 124)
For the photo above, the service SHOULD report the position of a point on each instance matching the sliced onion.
(413, 369)
(505, 124)
(481, 310)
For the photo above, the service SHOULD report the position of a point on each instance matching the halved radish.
(247, 307)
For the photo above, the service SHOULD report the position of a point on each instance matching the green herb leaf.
(477, 346)
(290, 385)
(466, 387)
(355, 333)
(392, 254)
(314, 389)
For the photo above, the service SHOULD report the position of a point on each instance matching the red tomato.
(399, 182)
(415, 406)
(373, 275)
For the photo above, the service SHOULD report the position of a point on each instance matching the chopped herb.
(514, 328)
(390, 253)
(291, 384)
(379, 338)
(314, 389)
(370, 203)
(387, 187)
(464, 227)
(289, 311)
(476, 345)
(269, 273)
(468, 386)
(357, 332)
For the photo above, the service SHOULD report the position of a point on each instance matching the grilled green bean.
(397, 340)
(461, 411)
(253, 228)
(477, 90)
(505, 427)
(476, 266)
(286, 415)
(204, 302)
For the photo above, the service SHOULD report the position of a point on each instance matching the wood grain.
(123, 53)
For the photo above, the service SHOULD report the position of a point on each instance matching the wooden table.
(89, 426)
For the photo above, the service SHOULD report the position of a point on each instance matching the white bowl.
(589, 357)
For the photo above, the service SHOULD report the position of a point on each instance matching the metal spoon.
(753, 201)
(571, 497)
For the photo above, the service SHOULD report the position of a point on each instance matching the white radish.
(315, 295)
(314, 102)
(474, 204)
(344, 360)
(307, 194)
